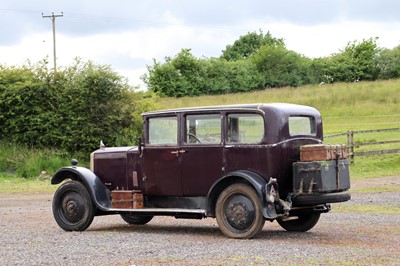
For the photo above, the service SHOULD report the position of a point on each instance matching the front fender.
(237, 176)
(99, 193)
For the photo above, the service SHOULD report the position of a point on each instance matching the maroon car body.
(234, 162)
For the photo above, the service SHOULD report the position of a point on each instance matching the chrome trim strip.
(117, 155)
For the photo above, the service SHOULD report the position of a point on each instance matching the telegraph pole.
(53, 17)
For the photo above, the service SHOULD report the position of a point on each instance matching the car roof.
(263, 107)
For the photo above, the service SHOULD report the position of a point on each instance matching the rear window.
(301, 125)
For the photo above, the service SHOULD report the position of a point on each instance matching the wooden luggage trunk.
(137, 200)
(127, 199)
(321, 176)
(339, 150)
(323, 152)
(121, 199)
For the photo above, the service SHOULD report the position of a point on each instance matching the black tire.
(238, 212)
(305, 222)
(135, 219)
(73, 208)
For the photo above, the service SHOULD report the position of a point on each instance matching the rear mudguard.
(268, 193)
(99, 193)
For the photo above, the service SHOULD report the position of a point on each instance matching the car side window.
(203, 129)
(163, 131)
(245, 128)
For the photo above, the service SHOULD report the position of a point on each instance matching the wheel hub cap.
(240, 212)
(72, 207)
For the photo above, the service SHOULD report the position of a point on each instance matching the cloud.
(325, 39)
(135, 50)
(128, 34)
(33, 47)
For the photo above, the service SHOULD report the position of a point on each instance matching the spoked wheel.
(238, 212)
(136, 219)
(73, 208)
(305, 222)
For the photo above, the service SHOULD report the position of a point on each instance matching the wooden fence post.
(350, 145)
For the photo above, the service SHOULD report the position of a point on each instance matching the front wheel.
(73, 208)
(238, 212)
(303, 223)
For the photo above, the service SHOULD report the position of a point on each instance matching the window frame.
(185, 130)
(313, 126)
(147, 135)
(226, 133)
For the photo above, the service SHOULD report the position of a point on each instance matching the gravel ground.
(30, 236)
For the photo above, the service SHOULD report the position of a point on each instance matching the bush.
(186, 75)
(281, 67)
(72, 109)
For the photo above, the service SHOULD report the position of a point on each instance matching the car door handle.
(178, 152)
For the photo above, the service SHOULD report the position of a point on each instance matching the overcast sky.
(128, 34)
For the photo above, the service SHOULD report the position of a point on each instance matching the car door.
(201, 152)
(160, 157)
(243, 149)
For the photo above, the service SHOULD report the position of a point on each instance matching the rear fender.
(243, 176)
(99, 193)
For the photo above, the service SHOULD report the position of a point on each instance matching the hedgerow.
(71, 109)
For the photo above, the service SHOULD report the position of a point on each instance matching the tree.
(94, 107)
(388, 63)
(182, 75)
(355, 63)
(281, 67)
(186, 75)
(248, 44)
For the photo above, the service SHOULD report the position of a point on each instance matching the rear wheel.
(135, 219)
(73, 208)
(305, 222)
(238, 212)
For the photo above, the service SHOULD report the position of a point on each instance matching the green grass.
(344, 106)
(24, 169)
(367, 208)
(375, 166)
(28, 162)
(343, 101)
(378, 189)
(12, 184)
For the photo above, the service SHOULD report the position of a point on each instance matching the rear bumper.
(321, 198)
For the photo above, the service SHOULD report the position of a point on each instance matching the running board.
(166, 211)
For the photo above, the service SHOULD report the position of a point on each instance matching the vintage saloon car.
(242, 164)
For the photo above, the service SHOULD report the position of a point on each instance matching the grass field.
(344, 106)
(12, 184)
